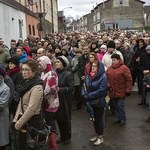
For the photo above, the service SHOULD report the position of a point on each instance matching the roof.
(105, 1)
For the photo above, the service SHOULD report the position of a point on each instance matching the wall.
(9, 28)
(113, 11)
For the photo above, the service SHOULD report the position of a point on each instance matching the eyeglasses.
(94, 66)
(25, 70)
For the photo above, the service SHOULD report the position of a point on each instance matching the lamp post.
(64, 19)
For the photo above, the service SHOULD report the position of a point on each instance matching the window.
(29, 27)
(121, 2)
(33, 29)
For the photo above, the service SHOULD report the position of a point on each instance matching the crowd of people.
(47, 75)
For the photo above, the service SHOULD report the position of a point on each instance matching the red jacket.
(119, 80)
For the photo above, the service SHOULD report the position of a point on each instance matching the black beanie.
(111, 44)
(115, 56)
(14, 60)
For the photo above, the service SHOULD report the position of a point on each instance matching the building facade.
(118, 14)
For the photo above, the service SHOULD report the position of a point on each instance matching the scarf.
(92, 74)
(26, 86)
(11, 71)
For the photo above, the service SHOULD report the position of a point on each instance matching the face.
(117, 44)
(110, 50)
(93, 46)
(141, 44)
(94, 67)
(91, 58)
(26, 42)
(19, 52)
(58, 65)
(57, 50)
(86, 50)
(49, 54)
(40, 53)
(78, 54)
(114, 61)
(148, 51)
(27, 72)
(64, 52)
(13, 44)
(11, 65)
(40, 67)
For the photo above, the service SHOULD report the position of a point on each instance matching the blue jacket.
(97, 86)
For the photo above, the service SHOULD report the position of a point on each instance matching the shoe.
(60, 140)
(98, 141)
(93, 139)
(67, 141)
(122, 123)
(116, 121)
(141, 102)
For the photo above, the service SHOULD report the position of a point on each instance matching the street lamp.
(64, 19)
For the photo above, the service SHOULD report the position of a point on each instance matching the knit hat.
(103, 47)
(147, 48)
(63, 60)
(64, 48)
(2, 71)
(111, 44)
(115, 56)
(14, 60)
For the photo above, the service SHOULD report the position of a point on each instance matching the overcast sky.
(80, 7)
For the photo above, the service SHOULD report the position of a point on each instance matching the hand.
(127, 94)
(145, 71)
(12, 126)
(85, 97)
(148, 86)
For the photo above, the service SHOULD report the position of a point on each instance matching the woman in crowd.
(129, 58)
(30, 93)
(66, 86)
(15, 74)
(103, 50)
(92, 57)
(96, 88)
(4, 111)
(51, 101)
(120, 85)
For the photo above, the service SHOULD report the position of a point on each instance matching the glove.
(127, 94)
(12, 126)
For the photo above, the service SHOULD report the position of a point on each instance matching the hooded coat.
(97, 86)
(50, 78)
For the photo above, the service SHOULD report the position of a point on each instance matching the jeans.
(148, 99)
(120, 109)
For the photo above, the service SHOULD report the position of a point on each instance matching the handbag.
(37, 139)
(95, 102)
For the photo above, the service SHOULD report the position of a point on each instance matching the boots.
(52, 141)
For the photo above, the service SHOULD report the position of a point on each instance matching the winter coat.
(4, 56)
(119, 80)
(23, 57)
(50, 78)
(4, 113)
(83, 60)
(66, 86)
(101, 54)
(31, 102)
(74, 66)
(129, 59)
(107, 58)
(97, 86)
